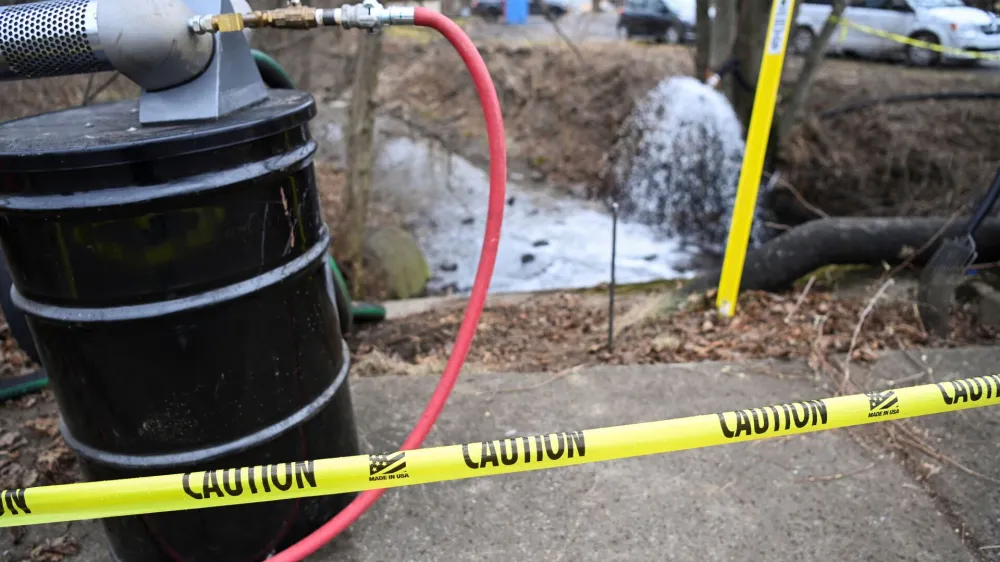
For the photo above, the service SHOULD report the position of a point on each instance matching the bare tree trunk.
(306, 70)
(360, 156)
(724, 29)
(739, 31)
(595, 6)
(791, 107)
(703, 42)
(748, 50)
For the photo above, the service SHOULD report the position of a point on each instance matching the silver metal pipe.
(50, 39)
(148, 41)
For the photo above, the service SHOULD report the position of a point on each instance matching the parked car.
(492, 10)
(669, 21)
(950, 23)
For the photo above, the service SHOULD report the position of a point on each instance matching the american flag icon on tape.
(881, 400)
(386, 464)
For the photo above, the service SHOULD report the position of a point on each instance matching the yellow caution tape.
(758, 135)
(913, 42)
(216, 488)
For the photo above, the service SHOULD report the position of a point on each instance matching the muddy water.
(550, 239)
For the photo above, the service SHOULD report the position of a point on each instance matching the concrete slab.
(739, 502)
(764, 500)
(970, 438)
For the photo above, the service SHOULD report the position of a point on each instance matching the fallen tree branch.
(798, 302)
(837, 476)
(911, 438)
(801, 199)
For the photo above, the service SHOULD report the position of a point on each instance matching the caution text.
(12, 502)
(234, 482)
(773, 419)
(525, 450)
(970, 390)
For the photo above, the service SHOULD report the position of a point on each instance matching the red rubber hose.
(477, 300)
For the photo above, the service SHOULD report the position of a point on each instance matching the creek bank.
(551, 240)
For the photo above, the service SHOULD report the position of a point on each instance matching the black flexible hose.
(908, 98)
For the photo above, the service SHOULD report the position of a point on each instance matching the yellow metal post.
(758, 135)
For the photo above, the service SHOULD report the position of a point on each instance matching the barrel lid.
(110, 133)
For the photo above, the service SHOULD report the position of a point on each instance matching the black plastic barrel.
(175, 281)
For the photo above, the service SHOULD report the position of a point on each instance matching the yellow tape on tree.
(913, 42)
(216, 488)
(758, 134)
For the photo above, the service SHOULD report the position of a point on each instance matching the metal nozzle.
(294, 16)
(370, 14)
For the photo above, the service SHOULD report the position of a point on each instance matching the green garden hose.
(272, 73)
(363, 312)
(15, 387)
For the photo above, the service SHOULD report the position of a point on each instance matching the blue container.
(516, 12)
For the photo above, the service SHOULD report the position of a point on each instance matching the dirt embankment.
(561, 114)
(920, 158)
(923, 158)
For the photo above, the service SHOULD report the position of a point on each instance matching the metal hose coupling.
(370, 15)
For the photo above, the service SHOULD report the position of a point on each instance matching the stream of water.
(551, 239)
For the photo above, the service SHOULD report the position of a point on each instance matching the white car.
(949, 23)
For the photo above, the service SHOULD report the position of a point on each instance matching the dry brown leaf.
(46, 425)
(11, 475)
(9, 440)
(546, 333)
(55, 459)
(55, 550)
